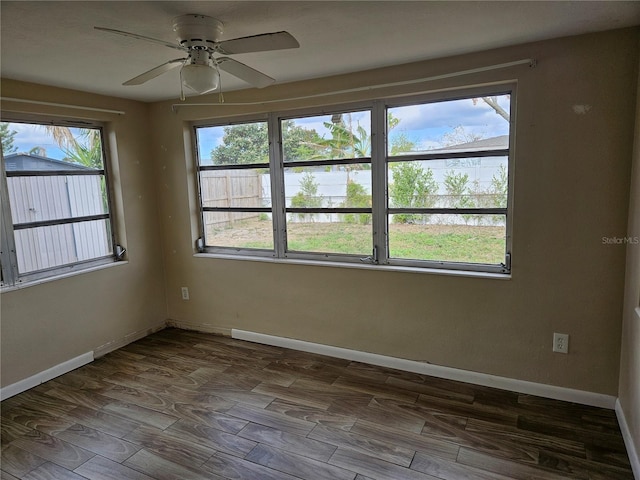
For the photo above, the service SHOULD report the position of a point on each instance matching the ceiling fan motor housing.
(197, 30)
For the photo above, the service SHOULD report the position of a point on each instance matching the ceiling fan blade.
(142, 37)
(244, 72)
(155, 72)
(258, 43)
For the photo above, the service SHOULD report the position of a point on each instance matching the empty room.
(360, 240)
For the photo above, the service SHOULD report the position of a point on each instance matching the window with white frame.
(55, 200)
(417, 182)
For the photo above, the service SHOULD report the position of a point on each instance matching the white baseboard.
(504, 383)
(45, 375)
(79, 361)
(126, 340)
(199, 327)
(629, 442)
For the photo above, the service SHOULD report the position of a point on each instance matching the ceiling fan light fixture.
(200, 79)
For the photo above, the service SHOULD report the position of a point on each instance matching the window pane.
(33, 147)
(35, 198)
(332, 186)
(56, 173)
(480, 182)
(411, 185)
(233, 144)
(327, 137)
(452, 238)
(332, 233)
(236, 188)
(56, 245)
(238, 229)
(470, 124)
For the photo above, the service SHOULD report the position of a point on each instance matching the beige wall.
(571, 189)
(629, 392)
(44, 325)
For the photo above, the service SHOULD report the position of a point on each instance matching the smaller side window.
(56, 205)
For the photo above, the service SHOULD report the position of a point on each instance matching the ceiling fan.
(198, 36)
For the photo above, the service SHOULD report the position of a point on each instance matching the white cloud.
(428, 122)
(29, 136)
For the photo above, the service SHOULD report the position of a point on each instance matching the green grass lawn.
(452, 243)
(455, 243)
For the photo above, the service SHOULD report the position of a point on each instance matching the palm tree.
(344, 141)
(349, 141)
(84, 147)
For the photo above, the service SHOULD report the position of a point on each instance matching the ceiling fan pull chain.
(181, 87)
(220, 94)
(182, 96)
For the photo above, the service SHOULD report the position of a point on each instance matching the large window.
(422, 182)
(55, 200)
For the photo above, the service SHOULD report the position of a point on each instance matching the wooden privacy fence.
(230, 188)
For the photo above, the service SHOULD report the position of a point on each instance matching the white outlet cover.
(561, 342)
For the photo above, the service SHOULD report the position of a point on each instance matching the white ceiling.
(54, 42)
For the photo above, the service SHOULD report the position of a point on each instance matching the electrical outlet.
(185, 293)
(561, 342)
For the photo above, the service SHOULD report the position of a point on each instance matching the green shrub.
(357, 197)
(308, 196)
(412, 187)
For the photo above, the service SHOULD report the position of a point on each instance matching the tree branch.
(499, 110)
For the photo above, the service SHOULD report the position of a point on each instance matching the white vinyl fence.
(248, 188)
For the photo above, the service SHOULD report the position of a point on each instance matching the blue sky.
(424, 125)
(29, 136)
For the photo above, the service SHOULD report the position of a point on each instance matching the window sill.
(33, 283)
(383, 268)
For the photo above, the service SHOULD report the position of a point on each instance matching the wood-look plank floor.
(182, 405)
